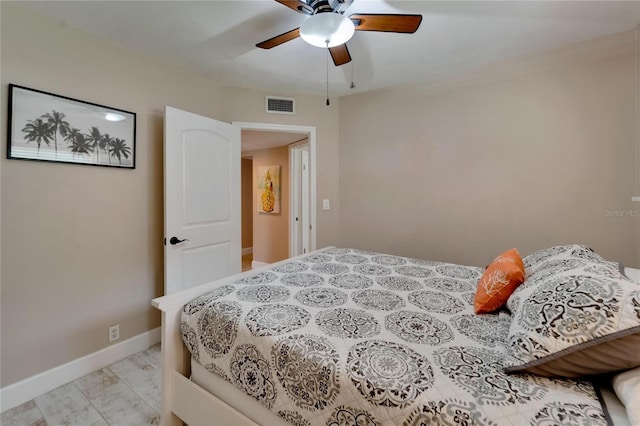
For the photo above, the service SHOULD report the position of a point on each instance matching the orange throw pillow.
(499, 280)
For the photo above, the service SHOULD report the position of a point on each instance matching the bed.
(344, 336)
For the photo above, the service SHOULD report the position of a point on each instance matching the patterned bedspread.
(345, 336)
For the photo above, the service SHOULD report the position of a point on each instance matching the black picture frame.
(43, 126)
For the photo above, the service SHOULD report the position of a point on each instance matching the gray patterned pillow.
(576, 316)
(541, 265)
(540, 260)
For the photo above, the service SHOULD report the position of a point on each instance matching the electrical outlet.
(114, 333)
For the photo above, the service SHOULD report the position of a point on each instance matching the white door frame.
(311, 132)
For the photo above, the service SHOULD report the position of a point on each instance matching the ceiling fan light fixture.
(327, 29)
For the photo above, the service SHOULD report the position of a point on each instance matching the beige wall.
(527, 161)
(82, 246)
(247, 202)
(271, 230)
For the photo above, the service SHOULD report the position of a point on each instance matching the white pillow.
(627, 388)
(633, 274)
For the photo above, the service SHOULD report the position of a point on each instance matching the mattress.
(243, 403)
(234, 397)
(345, 336)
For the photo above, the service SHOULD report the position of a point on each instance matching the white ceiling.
(254, 139)
(218, 38)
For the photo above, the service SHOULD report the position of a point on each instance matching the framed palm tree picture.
(48, 127)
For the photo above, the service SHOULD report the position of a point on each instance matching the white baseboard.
(255, 264)
(27, 389)
(246, 251)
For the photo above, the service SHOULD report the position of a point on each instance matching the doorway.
(278, 235)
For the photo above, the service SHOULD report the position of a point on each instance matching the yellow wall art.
(268, 189)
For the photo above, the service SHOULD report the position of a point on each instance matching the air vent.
(281, 105)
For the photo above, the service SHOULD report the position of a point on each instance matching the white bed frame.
(183, 401)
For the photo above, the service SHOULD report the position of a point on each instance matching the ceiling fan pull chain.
(353, 85)
(328, 73)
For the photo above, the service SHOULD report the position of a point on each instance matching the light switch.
(326, 205)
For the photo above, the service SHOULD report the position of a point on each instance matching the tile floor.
(124, 393)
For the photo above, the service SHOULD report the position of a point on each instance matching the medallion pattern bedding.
(351, 337)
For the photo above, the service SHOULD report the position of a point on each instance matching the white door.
(300, 200)
(201, 200)
(295, 243)
(306, 223)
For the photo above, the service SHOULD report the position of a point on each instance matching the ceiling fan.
(328, 27)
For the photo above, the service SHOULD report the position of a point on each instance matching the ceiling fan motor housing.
(324, 6)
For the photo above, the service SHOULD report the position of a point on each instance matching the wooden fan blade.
(340, 54)
(297, 5)
(279, 39)
(386, 23)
